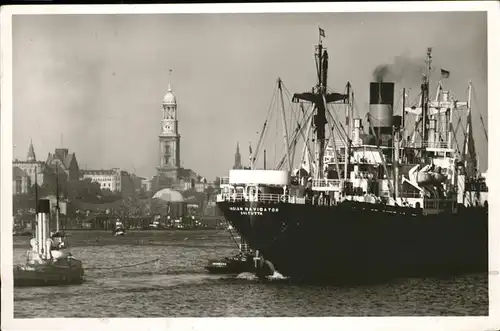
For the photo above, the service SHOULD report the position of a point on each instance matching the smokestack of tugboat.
(381, 111)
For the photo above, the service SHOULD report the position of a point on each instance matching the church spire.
(31, 152)
(169, 98)
(237, 157)
(169, 80)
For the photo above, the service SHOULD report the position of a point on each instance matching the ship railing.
(426, 144)
(267, 197)
(339, 144)
(410, 195)
(331, 158)
(413, 144)
(435, 144)
(327, 184)
(362, 175)
(261, 197)
(224, 180)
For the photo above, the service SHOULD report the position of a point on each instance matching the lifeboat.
(370, 198)
(424, 178)
(438, 177)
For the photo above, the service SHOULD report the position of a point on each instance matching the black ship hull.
(51, 274)
(358, 241)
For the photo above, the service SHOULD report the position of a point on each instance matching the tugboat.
(48, 262)
(403, 199)
(119, 229)
(244, 261)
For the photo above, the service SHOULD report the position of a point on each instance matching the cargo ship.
(404, 199)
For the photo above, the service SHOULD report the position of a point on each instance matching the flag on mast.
(321, 32)
(445, 73)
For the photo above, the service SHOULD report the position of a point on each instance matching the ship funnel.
(43, 206)
(42, 228)
(381, 105)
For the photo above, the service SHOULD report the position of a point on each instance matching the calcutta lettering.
(254, 210)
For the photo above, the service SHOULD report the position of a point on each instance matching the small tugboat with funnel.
(48, 262)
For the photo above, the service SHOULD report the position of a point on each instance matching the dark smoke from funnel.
(404, 70)
(380, 73)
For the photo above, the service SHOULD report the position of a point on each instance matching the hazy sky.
(98, 80)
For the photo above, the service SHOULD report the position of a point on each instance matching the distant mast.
(425, 96)
(57, 199)
(36, 200)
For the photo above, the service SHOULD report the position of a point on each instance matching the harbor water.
(161, 274)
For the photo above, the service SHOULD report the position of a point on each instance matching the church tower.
(237, 158)
(169, 139)
(31, 153)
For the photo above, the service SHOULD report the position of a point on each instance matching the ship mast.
(348, 143)
(320, 118)
(425, 97)
(57, 199)
(320, 98)
(36, 200)
(285, 130)
(466, 151)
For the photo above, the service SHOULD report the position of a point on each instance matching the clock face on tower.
(167, 127)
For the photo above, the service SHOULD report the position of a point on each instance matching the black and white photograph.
(249, 160)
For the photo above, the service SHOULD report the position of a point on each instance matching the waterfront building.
(108, 179)
(20, 181)
(66, 161)
(32, 168)
(128, 185)
(146, 184)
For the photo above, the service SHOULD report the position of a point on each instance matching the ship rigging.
(425, 129)
(403, 198)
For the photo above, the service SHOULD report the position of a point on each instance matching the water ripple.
(177, 285)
